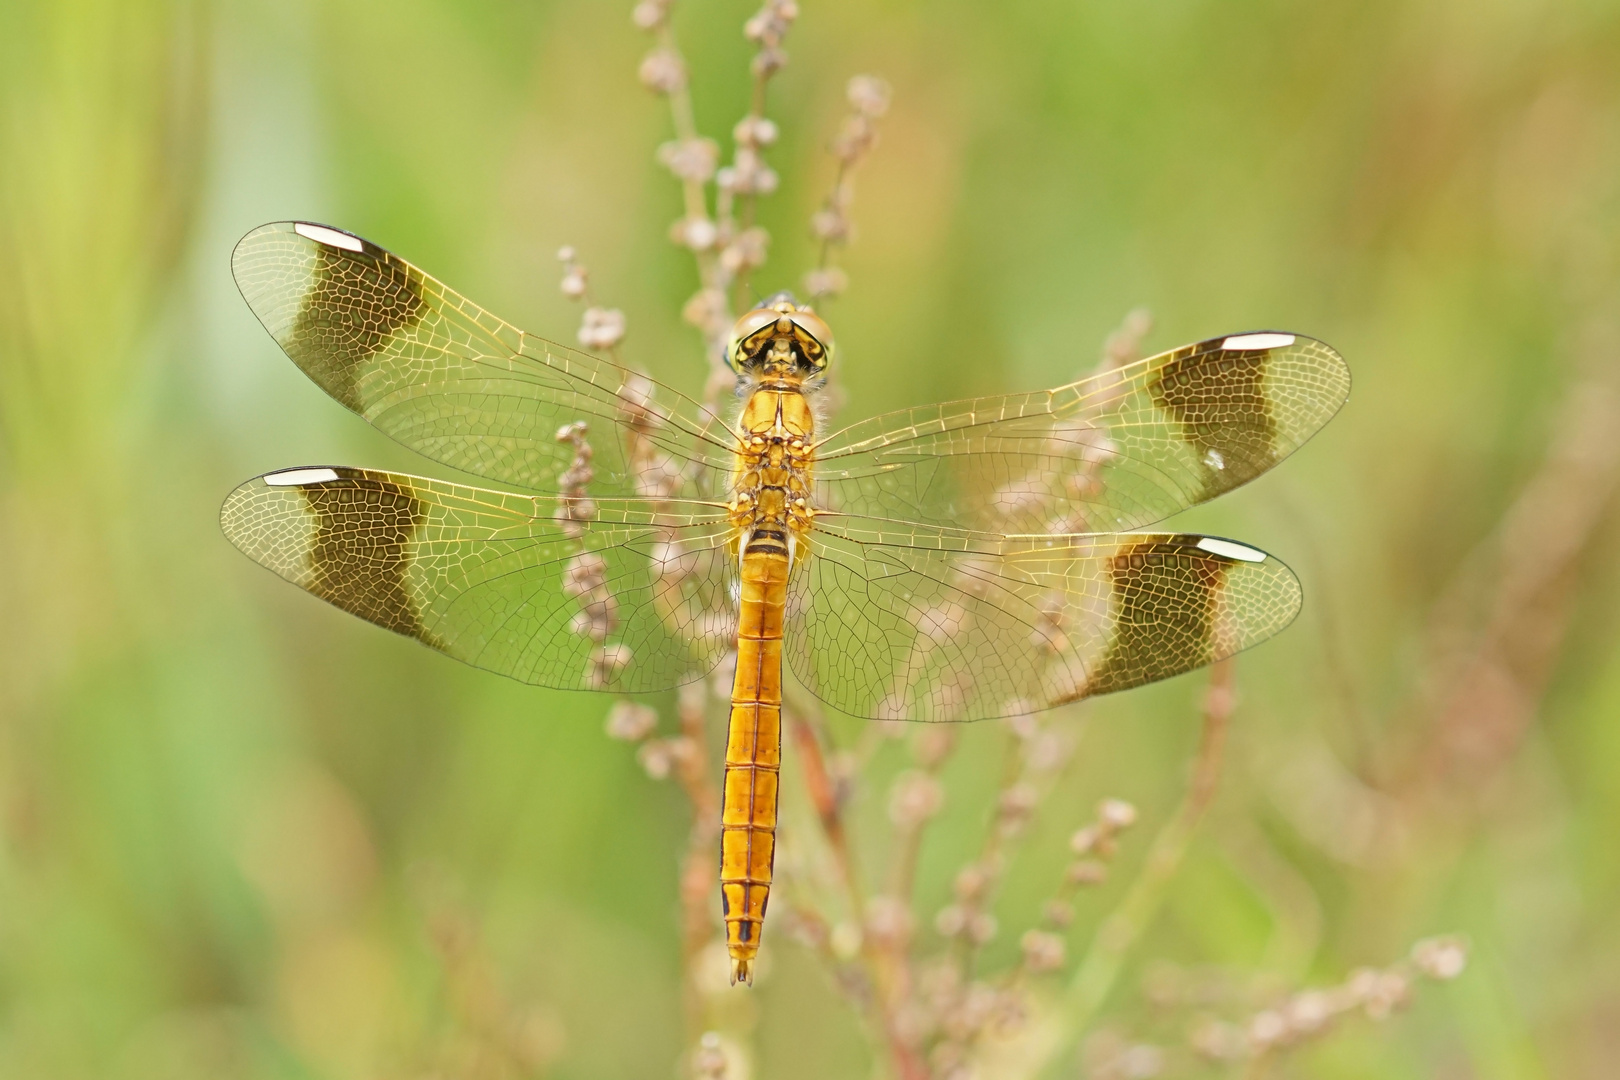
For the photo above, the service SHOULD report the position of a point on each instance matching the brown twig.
(887, 977)
(824, 797)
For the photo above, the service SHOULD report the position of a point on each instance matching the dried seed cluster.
(600, 328)
(1374, 993)
(940, 1001)
(868, 97)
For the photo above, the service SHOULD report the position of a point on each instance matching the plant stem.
(886, 971)
(699, 868)
(1094, 980)
(822, 794)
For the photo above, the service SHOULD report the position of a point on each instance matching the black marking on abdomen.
(767, 541)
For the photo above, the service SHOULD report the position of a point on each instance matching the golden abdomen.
(753, 757)
(773, 470)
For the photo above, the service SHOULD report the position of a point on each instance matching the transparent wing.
(932, 624)
(1118, 450)
(636, 598)
(453, 382)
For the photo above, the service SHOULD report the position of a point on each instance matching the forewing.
(1118, 450)
(933, 624)
(455, 383)
(638, 597)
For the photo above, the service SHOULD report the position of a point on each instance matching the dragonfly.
(951, 562)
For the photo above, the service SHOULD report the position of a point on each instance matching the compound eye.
(752, 322)
(815, 328)
(749, 326)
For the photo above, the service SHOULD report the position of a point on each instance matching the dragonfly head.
(778, 337)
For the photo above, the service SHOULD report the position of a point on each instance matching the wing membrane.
(1118, 450)
(453, 382)
(918, 623)
(636, 598)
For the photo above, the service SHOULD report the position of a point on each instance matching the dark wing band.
(453, 382)
(918, 623)
(638, 597)
(1119, 450)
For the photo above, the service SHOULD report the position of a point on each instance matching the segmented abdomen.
(753, 752)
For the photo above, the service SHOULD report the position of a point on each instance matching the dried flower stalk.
(868, 97)
(933, 1006)
(727, 244)
(1119, 933)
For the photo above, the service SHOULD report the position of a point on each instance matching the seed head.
(1216, 1040)
(971, 882)
(869, 95)
(845, 941)
(1267, 1029)
(1116, 814)
(707, 310)
(1042, 951)
(746, 252)
(754, 131)
(1307, 1012)
(830, 224)
(601, 328)
(605, 664)
(915, 797)
(663, 72)
(772, 22)
(889, 922)
(696, 233)
(693, 160)
(1387, 992)
(982, 927)
(1441, 958)
(575, 277)
(826, 282)
(656, 759)
(583, 574)
(649, 15)
(1087, 872)
(709, 1062)
(629, 721)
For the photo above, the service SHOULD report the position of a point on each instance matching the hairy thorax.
(775, 460)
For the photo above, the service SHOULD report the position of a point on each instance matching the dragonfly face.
(780, 338)
(948, 562)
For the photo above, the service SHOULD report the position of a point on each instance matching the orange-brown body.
(771, 509)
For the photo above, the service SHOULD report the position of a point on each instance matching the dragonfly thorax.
(780, 339)
(772, 481)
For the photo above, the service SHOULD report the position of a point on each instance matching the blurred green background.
(244, 835)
